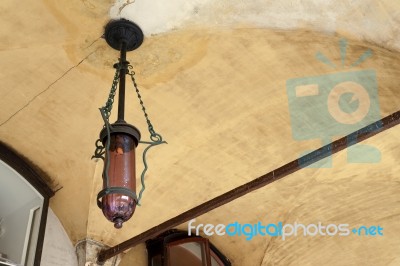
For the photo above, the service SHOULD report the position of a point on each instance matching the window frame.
(157, 246)
(31, 175)
(202, 241)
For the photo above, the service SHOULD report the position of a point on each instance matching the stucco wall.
(57, 248)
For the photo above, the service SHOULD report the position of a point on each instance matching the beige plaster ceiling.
(213, 76)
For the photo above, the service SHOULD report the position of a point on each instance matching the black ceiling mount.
(117, 31)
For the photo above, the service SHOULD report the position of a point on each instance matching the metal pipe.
(257, 183)
(122, 77)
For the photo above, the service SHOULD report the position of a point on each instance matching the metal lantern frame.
(122, 35)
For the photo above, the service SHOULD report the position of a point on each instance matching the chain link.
(153, 135)
(106, 112)
(110, 101)
(156, 138)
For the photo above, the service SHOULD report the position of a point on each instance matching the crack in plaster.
(92, 44)
(46, 89)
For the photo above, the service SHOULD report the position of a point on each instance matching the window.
(176, 248)
(24, 199)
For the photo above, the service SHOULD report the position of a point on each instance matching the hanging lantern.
(118, 141)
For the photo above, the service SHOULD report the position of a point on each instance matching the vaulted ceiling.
(213, 75)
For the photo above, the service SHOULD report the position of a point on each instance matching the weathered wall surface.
(57, 248)
(214, 80)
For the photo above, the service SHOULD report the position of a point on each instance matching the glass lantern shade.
(118, 201)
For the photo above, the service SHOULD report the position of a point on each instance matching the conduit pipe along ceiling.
(117, 142)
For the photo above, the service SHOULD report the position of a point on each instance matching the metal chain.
(156, 139)
(105, 111)
(110, 101)
(153, 135)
